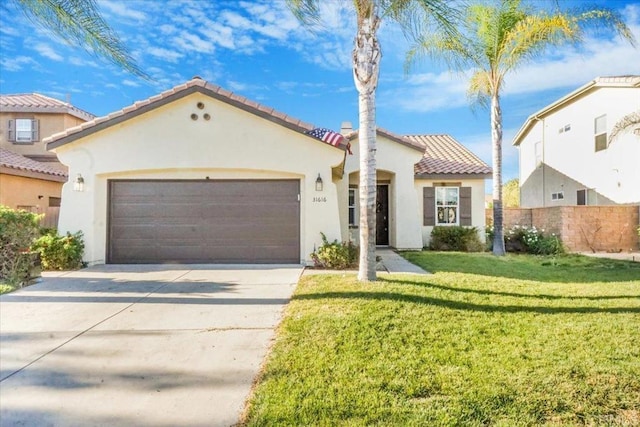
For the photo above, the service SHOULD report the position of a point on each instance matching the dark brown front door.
(382, 215)
(204, 221)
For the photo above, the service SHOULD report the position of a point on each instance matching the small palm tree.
(499, 37)
(80, 23)
(366, 56)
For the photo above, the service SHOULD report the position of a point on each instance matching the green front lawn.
(511, 341)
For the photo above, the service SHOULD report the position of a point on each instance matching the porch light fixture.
(78, 184)
(319, 184)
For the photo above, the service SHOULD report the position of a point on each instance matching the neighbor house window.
(600, 130)
(581, 196)
(23, 131)
(557, 196)
(353, 207)
(538, 153)
(447, 205)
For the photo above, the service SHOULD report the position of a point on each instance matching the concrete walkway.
(160, 345)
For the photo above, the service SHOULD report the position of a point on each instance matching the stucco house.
(566, 156)
(199, 174)
(29, 185)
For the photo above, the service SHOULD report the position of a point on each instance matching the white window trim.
(456, 206)
(355, 207)
(596, 134)
(559, 195)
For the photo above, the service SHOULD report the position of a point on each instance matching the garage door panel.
(204, 221)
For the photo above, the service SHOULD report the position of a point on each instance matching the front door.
(382, 215)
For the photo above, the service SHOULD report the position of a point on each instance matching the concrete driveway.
(153, 345)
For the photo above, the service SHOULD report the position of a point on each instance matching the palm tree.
(80, 23)
(366, 65)
(497, 39)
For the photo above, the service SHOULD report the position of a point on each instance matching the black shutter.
(465, 205)
(11, 131)
(429, 205)
(35, 130)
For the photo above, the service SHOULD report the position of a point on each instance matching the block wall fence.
(581, 228)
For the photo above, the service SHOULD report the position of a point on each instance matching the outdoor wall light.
(319, 183)
(78, 184)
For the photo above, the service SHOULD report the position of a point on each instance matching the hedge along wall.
(582, 228)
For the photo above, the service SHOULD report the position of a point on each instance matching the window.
(353, 207)
(600, 130)
(23, 131)
(557, 196)
(581, 196)
(538, 153)
(447, 203)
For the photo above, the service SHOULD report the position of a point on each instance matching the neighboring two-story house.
(567, 156)
(31, 177)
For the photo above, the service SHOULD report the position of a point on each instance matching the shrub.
(335, 255)
(60, 252)
(528, 240)
(18, 229)
(455, 238)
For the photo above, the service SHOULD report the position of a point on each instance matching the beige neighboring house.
(29, 185)
(26, 119)
(31, 177)
(198, 174)
(566, 158)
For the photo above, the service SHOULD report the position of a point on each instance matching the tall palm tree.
(499, 37)
(366, 57)
(80, 23)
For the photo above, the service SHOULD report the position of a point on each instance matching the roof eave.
(444, 175)
(234, 100)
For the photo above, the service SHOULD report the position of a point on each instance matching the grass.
(514, 341)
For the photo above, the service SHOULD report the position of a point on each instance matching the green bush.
(529, 240)
(60, 252)
(455, 238)
(18, 230)
(335, 255)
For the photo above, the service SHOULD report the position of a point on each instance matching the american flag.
(326, 135)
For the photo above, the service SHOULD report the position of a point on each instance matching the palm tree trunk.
(366, 66)
(496, 141)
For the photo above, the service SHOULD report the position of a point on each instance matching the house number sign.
(319, 199)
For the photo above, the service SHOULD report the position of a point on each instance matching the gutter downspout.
(538, 119)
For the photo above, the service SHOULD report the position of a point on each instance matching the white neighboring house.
(198, 174)
(565, 154)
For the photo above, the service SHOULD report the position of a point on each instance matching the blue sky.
(259, 50)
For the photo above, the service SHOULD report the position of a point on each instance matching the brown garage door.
(238, 221)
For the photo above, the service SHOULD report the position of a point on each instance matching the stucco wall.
(166, 143)
(395, 168)
(49, 124)
(23, 191)
(477, 205)
(612, 172)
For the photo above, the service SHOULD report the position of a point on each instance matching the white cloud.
(192, 42)
(166, 54)
(130, 83)
(46, 51)
(121, 9)
(74, 60)
(17, 63)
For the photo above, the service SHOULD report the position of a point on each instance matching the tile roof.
(445, 155)
(13, 160)
(37, 103)
(392, 136)
(194, 85)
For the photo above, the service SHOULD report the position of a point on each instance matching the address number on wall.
(319, 199)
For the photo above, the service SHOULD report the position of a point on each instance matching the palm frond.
(479, 90)
(305, 11)
(79, 22)
(624, 125)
